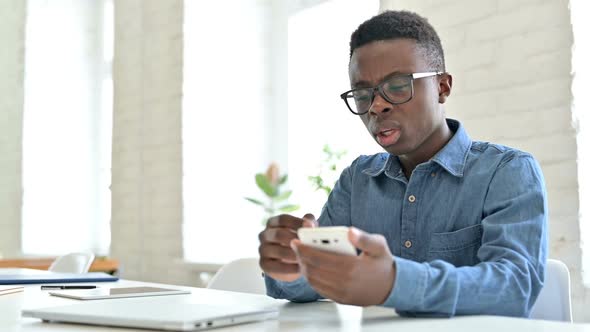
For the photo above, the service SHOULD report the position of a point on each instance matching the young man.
(445, 225)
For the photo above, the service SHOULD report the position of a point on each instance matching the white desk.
(319, 316)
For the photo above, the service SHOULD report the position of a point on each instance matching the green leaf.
(289, 208)
(284, 196)
(265, 186)
(316, 181)
(283, 179)
(255, 201)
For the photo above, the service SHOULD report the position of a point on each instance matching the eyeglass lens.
(397, 90)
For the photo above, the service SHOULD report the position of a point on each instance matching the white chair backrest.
(554, 301)
(72, 263)
(242, 275)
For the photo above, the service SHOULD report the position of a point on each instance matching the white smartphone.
(333, 239)
(114, 293)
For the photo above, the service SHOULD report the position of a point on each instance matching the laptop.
(154, 313)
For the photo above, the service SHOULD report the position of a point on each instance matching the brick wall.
(511, 62)
(12, 35)
(146, 187)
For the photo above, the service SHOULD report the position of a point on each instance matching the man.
(445, 225)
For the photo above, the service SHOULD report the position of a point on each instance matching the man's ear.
(445, 84)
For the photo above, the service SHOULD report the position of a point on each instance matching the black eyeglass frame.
(379, 88)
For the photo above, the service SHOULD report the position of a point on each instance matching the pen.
(47, 287)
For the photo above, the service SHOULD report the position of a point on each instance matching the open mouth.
(388, 137)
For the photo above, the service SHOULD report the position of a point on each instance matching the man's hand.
(361, 280)
(277, 258)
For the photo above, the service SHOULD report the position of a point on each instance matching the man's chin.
(393, 151)
(396, 149)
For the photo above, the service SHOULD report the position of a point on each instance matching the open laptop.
(154, 313)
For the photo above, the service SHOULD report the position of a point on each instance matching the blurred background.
(134, 129)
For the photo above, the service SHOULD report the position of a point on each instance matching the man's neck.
(430, 147)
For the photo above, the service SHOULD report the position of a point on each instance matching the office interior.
(133, 130)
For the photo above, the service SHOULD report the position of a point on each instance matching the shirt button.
(412, 198)
(433, 174)
(408, 244)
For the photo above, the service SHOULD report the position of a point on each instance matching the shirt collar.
(452, 157)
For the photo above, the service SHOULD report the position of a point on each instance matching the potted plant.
(272, 185)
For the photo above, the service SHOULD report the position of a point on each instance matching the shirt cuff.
(297, 290)
(410, 285)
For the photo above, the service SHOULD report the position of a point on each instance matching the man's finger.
(270, 265)
(282, 236)
(286, 221)
(276, 251)
(370, 244)
(309, 221)
(323, 259)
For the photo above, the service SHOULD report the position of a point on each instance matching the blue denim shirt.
(468, 229)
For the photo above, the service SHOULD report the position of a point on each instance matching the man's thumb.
(370, 244)
(309, 220)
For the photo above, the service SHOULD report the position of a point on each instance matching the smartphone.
(333, 239)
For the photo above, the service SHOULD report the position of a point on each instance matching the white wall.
(12, 36)
(511, 62)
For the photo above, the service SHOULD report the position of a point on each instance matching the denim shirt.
(468, 229)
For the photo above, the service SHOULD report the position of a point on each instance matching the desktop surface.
(317, 316)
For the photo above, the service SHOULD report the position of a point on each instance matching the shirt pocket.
(458, 248)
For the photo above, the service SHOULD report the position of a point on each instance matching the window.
(225, 116)
(233, 122)
(318, 74)
(581, 104)
(67, 127)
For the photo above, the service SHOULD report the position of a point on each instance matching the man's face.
(408, 128)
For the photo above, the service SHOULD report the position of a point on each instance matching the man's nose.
(379, 105)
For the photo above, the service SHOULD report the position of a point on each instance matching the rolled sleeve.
(296, 291)
(410, 284)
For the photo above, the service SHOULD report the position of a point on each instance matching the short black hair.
(401, 24)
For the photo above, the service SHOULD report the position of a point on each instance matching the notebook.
(29, 276)
(159, 313)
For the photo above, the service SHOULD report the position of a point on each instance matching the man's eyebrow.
(363, 83)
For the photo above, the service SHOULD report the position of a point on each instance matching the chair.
(72, 263)
(242, 275)
(554, 301)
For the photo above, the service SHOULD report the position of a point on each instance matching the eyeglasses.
(396, 90)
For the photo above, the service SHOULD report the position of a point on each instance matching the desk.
(318, 316)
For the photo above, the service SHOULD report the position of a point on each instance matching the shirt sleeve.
(512, 256)
(336, 211)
